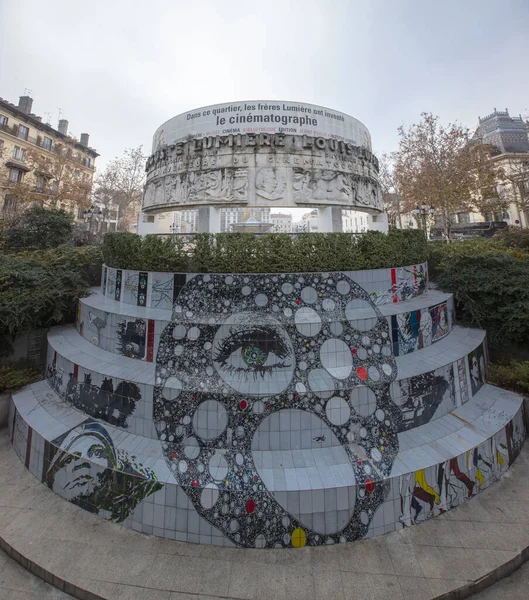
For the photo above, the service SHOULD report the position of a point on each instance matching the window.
(1, 145)
(19, 153)
(23, 132)
(54, 186)
(46, 143)
(15, 176)
(87, 162)
(39, 186)
(3, 121)
(148, 218)
(9, 203)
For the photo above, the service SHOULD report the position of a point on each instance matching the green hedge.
(271, 253)
(490, 283)
(41, 288)
(513, 375)
(13, 378)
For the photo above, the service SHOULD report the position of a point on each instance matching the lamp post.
(423, 210)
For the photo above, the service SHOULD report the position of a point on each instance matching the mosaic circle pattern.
(242, 347)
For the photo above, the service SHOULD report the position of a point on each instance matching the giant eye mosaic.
(241, 349)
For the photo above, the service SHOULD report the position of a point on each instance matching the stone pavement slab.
(16, 583)
(463, 550)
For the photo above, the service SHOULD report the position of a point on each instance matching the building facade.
(41, 164)
(282, 223)
(509, 138)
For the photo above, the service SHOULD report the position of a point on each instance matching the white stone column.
(330, 219)
(208, 220)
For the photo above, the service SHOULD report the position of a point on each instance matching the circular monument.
(272, 410)
(262, 154)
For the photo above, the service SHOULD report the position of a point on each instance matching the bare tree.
(439, 165)
(121, 183)
(50, 180)
(390, 189)
(59, 178)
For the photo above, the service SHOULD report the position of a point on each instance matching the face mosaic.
(241, 348)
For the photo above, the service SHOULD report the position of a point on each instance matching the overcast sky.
(118, 70)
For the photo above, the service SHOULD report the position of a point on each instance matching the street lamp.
(423, 210)
(174, 229)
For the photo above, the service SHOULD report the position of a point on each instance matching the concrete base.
(454, 556)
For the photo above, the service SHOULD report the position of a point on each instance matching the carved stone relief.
(260, 170)
(270, 183)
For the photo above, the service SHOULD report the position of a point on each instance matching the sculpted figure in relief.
(270, 184)
(221, 184)
(327, 185)
(332, 185)
(301, 185)
(148, 195)
(170, 189)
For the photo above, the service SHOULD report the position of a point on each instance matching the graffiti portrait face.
(78, 467)
(247, 352)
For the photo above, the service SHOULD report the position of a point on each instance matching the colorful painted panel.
(440, 324)
(429, 492)
(406, 332)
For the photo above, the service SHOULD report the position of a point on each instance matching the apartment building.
(41, 164)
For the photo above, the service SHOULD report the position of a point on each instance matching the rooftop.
(26, 102)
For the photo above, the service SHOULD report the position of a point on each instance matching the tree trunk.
(447, 223)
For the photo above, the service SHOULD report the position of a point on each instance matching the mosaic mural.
(276, 412)
(158, 290)
(108, 402)
(477, 368)
(83, 466)
(241, 348)
(132, 338)
(430, 492)
(426, 395)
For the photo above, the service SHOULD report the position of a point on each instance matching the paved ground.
(515, 587)
(417, 563)
(18, 584)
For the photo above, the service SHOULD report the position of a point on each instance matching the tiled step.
(429, 384)
(320, 489)
(134, 331)
(158, 290)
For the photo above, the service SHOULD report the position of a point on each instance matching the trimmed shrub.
(489, 281)
(270, 253)
(40, 228)
(39, 289)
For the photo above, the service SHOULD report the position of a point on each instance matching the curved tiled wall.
(272, 410)
(159, 289)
